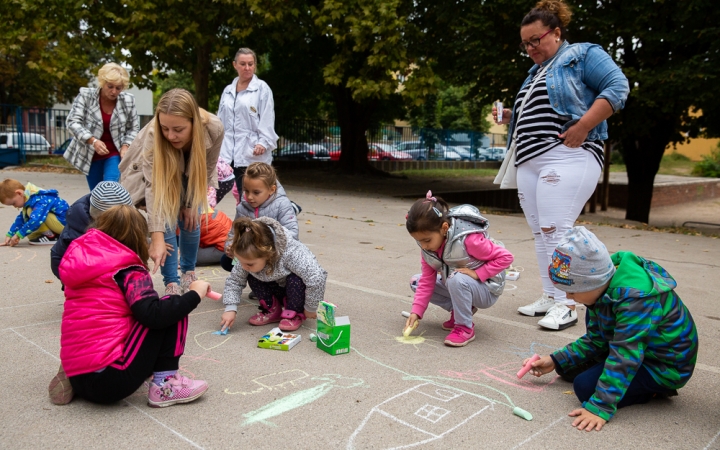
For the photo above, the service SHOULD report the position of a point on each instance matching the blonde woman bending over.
(167, 170)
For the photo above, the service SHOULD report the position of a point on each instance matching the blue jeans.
(188, 245)
(104, 170)
(641, 389)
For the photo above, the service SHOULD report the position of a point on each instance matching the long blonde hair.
(167, 179)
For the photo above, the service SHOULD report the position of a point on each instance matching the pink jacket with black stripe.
(96, 318)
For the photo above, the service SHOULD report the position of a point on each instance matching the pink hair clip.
(247, 229)
(429, 197)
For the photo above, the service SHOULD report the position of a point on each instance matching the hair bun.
(558, 8)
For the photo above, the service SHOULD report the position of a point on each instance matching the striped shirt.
(539, 126)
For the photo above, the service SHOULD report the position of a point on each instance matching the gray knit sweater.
(295, 258)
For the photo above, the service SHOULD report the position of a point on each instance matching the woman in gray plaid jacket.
(103, 122)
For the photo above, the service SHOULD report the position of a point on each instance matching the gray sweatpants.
(461, 293)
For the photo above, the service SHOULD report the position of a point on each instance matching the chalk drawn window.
(446, 395)
(432, 413)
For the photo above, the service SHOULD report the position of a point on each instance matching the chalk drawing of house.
(421, 414)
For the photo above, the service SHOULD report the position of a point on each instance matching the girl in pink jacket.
(116, 331)
(462, 268)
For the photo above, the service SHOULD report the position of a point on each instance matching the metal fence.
(34, 131)
(320, 139)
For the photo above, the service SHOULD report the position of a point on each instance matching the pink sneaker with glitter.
(450, 323)
(175, 389)
(267, 315)
(460, 336)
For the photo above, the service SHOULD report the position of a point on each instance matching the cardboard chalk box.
(326, 313)
(334, 340)
(277, 340)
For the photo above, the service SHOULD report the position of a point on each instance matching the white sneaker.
(559, 317)
(538, 307)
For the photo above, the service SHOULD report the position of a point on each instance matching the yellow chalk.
(409, 330)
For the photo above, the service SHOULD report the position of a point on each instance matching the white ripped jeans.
(553, 188)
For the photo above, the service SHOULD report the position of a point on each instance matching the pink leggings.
(553, 188)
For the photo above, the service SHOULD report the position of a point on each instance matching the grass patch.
(672, 164)
(447, 173)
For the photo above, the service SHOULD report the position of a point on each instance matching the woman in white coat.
(247, 111)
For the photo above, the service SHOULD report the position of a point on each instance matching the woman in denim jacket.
(560, 135)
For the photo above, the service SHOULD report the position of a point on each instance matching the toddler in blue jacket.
(42, 215)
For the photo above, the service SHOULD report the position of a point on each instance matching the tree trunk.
(354, 121)
(642, 154)
(201, 75)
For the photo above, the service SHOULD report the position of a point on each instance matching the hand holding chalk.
(213, 295)
(527, 366)
(408, 330)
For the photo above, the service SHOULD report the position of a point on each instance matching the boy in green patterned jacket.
(641, 341)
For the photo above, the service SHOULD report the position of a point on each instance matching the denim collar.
(561, 49)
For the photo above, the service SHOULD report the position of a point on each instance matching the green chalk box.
(326, 313)
(334, 340)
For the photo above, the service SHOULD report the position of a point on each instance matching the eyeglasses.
(532, 43)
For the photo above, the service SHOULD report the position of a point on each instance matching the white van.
(34, 144)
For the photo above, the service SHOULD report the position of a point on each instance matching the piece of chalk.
(409, 330)
(405, 314)
(521, 373)
(522, 413)
(213, 295)
(313, 337)
(222, 332)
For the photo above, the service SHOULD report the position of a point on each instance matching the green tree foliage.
(174, 36)
(451, 109)
(356, 51)
(668, 50)
(45, 56)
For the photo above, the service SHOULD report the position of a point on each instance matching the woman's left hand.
(258, 150)
(190, 219)
(575, 135)
(310, 315)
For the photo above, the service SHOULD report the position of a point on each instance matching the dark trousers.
(239, 174)
(156, 351)
(641, 389)
(226, 263)
(293, 292)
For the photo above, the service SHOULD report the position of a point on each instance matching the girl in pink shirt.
(462, 268)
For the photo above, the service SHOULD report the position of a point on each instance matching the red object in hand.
(213, 295)
(526, 368)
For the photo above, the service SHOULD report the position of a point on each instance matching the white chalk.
(405, 314)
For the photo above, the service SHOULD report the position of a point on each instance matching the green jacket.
(638, 321)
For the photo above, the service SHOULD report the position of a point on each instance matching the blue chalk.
(222, 332)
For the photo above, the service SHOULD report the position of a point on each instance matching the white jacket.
(249, 119)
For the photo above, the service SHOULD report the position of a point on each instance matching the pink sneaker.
(291, 320)
(267, 315)
(460, 336)
(450, 323)
(176, 389)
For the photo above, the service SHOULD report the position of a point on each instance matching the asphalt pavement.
(388, 392)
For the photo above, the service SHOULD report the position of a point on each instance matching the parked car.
(420, 151)
(34, 144)
(61, 150)
(493, 153)
(377, 152)
(303, 151)
(385, 152)
(466, 153)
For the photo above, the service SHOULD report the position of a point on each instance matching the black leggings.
(155, 351)
(293, 292)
